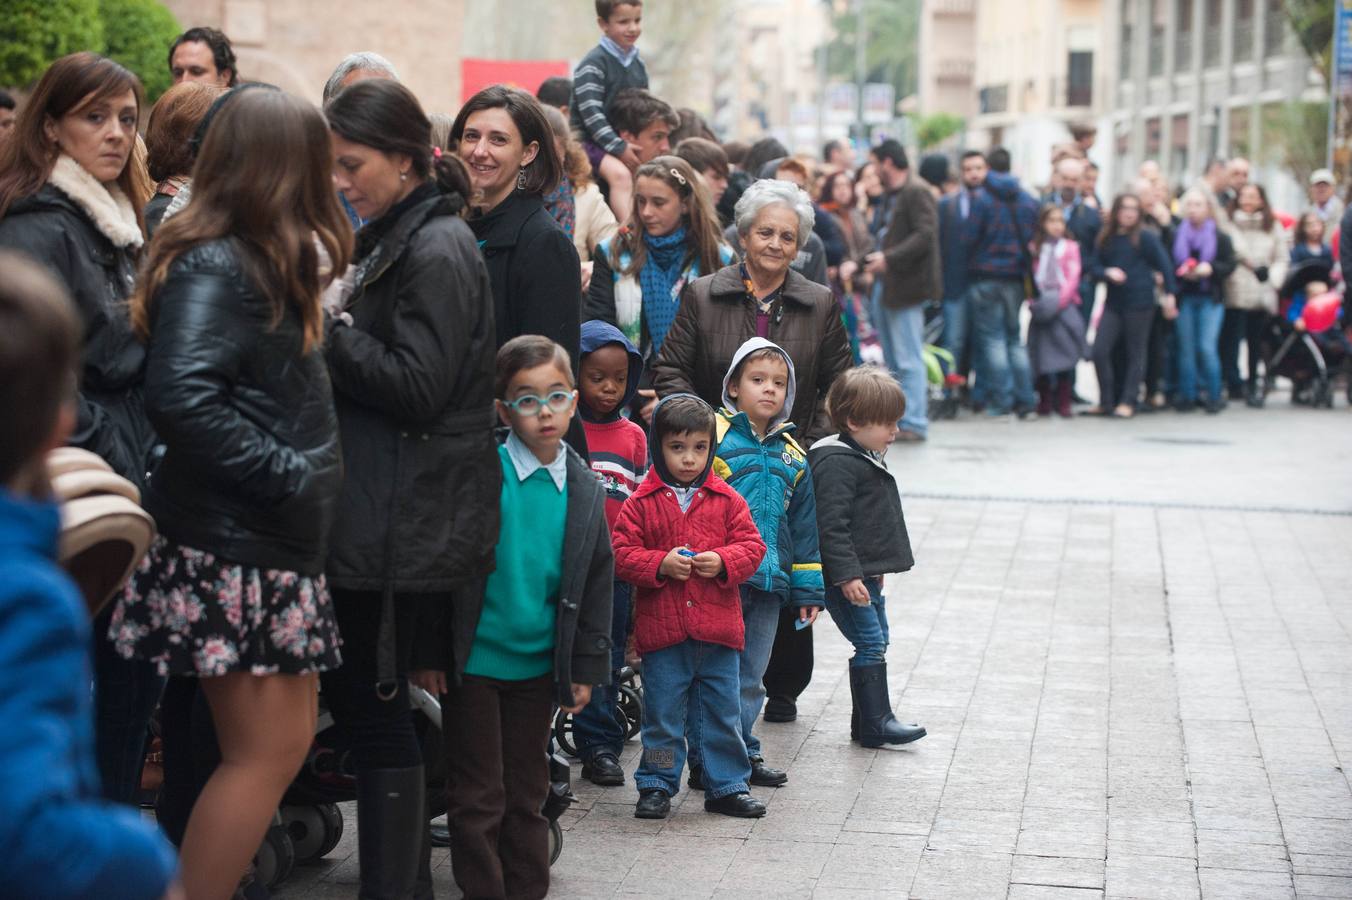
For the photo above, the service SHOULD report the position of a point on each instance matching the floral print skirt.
(191, 613)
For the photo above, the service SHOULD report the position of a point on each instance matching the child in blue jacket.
(759, 458)
(58, 838)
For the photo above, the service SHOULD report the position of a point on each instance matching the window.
(1183, 35)
(1211, 40)
(1080, 78)
(993, 99)
(1178, 144)
(1152, 138)
(1124, 50)
(1244, 30)
(1274, 34)
(1158, 13)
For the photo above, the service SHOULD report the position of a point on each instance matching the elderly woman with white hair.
(764, 297)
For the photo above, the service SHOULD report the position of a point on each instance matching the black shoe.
(1214, 406)
(764, 776)
(653, 803)
(1236, 392)
(603, 769)
(391, 823)
(739, 806)
(1185, 406)
(877, 724)
(695, 780)
(781, 709)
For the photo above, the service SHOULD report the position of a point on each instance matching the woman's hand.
(431, 680)
(645, 411)
(848, 269)
(707, 564)
(581, 697)
(1203, 270)
(1115, 275)
(856, 592)
(676, 564)
(1170, 306)
(586, 274)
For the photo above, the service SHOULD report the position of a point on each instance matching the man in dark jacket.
(997, 233)
(953, 212)
(1082, 222)
(906, 275)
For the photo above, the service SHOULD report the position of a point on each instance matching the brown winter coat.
(716, 318)
(911, 247)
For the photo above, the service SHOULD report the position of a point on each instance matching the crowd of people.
(494, 403)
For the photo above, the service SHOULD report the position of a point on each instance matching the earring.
(403, 176)
(521, 180)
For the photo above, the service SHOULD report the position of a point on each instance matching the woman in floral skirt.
(232, 591)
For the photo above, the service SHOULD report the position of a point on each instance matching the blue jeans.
(957, 339)
(863, 626)
(1000, 356)
(902, 335)
(1199, 331)
(692, 681)
(760, 613)
(600, 726)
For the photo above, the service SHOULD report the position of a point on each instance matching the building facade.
(946, 61)
(1195, 79)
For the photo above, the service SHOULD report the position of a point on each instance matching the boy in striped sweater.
(618, 450)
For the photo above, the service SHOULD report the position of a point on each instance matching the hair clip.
(436, 152)
(679, 177)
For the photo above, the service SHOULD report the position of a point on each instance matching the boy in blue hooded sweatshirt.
(58, 838)
(608, 380)
(759, 458)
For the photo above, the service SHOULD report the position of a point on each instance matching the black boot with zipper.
(877, 724)
(391, 826)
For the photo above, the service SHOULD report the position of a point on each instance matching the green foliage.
(1312, 23)
(35, 32)
(935, 128)
(891, 40)
(1296, 135)
(137, 34)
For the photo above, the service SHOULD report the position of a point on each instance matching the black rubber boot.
(391, 828)
(854, 710)
(877, 725)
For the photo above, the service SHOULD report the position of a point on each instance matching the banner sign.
(526, 74)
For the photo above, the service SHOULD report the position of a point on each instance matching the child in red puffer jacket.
(686, 541)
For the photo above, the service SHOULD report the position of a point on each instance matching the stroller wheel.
(630, 708)
(314, 830)
(555, 842)
(276, 857)
(1323, 395)
(563, 733)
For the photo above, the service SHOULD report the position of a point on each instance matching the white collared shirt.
(526, 463)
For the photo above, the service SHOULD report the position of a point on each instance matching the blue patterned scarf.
(658, 278)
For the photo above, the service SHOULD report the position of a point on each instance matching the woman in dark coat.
(764, 297)
(410, 352)
(66, 176)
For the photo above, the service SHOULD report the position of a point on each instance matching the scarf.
(1196, 242)
(562, 205)
(660, 279)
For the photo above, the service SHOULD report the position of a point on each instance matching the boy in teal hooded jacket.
(758, 456)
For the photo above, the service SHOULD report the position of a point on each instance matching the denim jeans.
(863, 626)
(1000, 356)
(902, 335)
(1199, 331)
(125, 694)
(599, 726)
(957, 339)
(692, 681)
(760, 613)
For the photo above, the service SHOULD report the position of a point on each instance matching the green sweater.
(515, 637)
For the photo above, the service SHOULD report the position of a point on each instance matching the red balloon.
(1321, 311)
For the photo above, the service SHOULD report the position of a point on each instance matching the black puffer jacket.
(860, 527)
(54, 231)
(252, 465)
(413, 378)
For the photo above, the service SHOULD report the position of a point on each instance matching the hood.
(1003, 186)
(595, 335)
(838, 444)
(751, 346)
(659, 464)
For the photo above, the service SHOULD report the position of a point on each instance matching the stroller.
(941, 369)
(1310, 355)
(629, 712)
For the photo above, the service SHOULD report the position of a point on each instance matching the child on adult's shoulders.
(686, 540)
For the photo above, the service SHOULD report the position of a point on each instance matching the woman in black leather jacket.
(65, 179)
(233, 591)
(411, 354)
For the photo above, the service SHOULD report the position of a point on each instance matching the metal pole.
(860, 66)
(823, 72)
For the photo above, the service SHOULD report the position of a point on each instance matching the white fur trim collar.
(107, 207)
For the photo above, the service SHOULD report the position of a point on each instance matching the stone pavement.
(1131, 643)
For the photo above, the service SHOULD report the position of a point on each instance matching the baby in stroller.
(1308, 337)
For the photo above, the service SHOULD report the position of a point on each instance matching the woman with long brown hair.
(232, 592)
(67, 176)
(673, 238)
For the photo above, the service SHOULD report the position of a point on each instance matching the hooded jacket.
(58, 838)
(666, 611)
(859, 519)
(86, 235)
(1001, 224)
(772, 475)
(617, 447)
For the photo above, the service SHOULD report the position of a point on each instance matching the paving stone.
(1232, 884)
(1054, 871)
(1155, 877)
